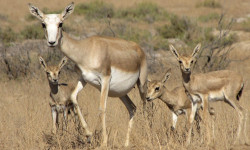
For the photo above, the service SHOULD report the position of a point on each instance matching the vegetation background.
(222, 27)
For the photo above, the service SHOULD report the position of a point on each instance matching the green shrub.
(209, 3)
(145, 11)
(94, 10)
(176, 28)
(34, 31)
(209, 17)
(7, 36)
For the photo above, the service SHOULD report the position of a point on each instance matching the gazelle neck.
(165, 95)
(186, 77)
(69, 47)
(53, 88)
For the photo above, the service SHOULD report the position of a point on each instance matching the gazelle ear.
(63, 62)
(36, 12)
(174, 51)
(166, 76)
(196, 50)
(43, 63)
(68, 10)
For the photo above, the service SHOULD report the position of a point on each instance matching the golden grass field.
(25, 117)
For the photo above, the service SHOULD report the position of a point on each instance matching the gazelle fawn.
(222, 85)
(176, 100)
(60, 94)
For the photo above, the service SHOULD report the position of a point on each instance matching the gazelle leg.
(131, 109)
(241, 113)
(78, 88)
(190, 123)
(175, 118)
(206, 117)
(65, 116)
(102, 107)
(54, 118)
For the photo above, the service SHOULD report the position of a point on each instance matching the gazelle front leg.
(78, 88)
(175, 118)
(206, 117)
(102, 107)
(190, 123)
(54, 118)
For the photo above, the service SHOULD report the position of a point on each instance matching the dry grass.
(26, 121)
(25, 117)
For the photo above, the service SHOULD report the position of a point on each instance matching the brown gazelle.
(60, 94)
(112, 65)
(176, 100)
(222, 85)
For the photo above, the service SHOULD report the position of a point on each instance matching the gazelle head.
(52, 23)
(155, 88)
(186, 62)
(53, 72)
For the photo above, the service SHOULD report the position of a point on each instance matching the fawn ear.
(43, 63)
(196, 50)
(36, 12)
(63, 62)
(68, 10)
(166, 76)
(174, 51)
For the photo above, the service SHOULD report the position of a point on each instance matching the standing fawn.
(222, 85)
(176, 100)
(60, 94)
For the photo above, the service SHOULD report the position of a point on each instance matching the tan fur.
(103, 61)
(176, 100)
(60, 94)
(223, 85)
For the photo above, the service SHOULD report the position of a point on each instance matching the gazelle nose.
(147, 98)
(55, 80)
(187, 69)
(52, 42)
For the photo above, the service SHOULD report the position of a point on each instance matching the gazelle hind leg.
(241, 113)
(78, 88)
(131, 109)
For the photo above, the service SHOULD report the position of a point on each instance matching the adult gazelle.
(112, 65)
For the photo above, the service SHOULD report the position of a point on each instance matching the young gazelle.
(112, 65)
(60, 94)
(176, 100)
(223, 85)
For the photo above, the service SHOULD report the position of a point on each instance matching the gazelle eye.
(43, 24)
(180, 61)
(157, 89)
(192, 62)
(60, 24)
(59, 72)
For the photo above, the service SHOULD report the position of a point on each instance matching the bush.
(209, 3)
(94, 10)
(7, 36)
(145, 11)
(34, 31)
(176, 28)
(209, 17)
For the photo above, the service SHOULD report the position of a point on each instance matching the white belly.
(216, 96)
(121, 82)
